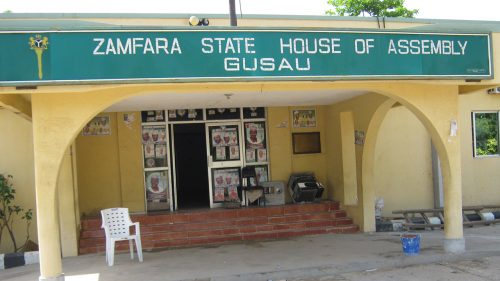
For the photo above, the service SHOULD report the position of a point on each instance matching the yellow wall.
(480, 176)
(496, 56)
(314, 162)
(362, 108)
(404, 176)
(16, 150)
(403, 171)
(110, 168)
(18, 144)
(103, 185)
(349, 170)
(283, 161)
(68, 207)
(280, 143)
(129, 148)
(377, 160)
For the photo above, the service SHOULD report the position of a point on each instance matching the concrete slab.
(302, 258)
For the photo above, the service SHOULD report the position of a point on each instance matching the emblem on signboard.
(39, 44)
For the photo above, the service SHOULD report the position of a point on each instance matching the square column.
(48, 156)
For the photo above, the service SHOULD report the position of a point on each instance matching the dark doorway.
(191, 166)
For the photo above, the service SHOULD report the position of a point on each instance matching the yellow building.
(107, 107)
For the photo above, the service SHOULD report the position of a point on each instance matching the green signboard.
(37, 58)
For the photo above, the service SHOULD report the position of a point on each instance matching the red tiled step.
(210, 240)
(309, 219)
(225, 226)
(217, 214)
(221, 229)
(145, 228)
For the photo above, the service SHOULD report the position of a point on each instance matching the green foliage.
(374, 8)
(486, 133)
(8, 211)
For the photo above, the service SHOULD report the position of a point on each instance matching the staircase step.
(184, 226)
(155, 234)
(218, 214)
(219, 226)
(148, 245)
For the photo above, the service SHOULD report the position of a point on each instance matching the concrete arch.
(57, 120)
(431, 128)
(368, 162)
(435, 107)
(59, 116)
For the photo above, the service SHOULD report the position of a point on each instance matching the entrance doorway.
(191, 166)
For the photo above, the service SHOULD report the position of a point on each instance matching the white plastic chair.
(116, 223)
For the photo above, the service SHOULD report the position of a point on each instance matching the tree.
(374, 8)
(486, 133)
(8, 210)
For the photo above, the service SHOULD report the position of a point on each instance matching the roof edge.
(249, 16)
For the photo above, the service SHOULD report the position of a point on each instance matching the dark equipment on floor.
(304, 187)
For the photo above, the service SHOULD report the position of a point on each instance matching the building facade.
(120, 108)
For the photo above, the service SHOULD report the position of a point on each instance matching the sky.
(434, 9)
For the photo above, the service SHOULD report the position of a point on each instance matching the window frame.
(474, 146)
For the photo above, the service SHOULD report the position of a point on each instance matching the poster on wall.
(98, 126)
(153, 116)
(255, 142)
(154, 140)
(224, 136)
(250, 154)
(359, 137)
(304, 118)
(225, 184)
(224, 142)
(255, 135)
(217, 137)
(234, 152)
(220, 153)
(149, 151)
(185, 115)
(157, 196)
(223, 113)
(261, 175)
(254, 112)
(261, 155)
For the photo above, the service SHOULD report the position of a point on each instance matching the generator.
(304, 187)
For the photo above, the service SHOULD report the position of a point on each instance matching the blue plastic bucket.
(411, 244)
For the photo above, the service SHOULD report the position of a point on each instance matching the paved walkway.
(318, 257)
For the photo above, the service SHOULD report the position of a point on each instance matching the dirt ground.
(483, 269)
